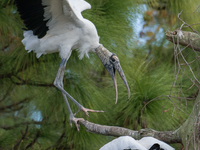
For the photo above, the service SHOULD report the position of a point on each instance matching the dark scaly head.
(111, 63)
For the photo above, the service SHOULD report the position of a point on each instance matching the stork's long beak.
(111, 63)
(115, 65)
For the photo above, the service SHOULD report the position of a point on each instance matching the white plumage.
(149, 141)
(58, 26)
(129, 143)
(123, 142)
(68, 30)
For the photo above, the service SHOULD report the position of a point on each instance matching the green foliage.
(146, 108)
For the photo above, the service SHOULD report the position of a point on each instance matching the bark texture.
(185, 38)
(166, 136)
(189, 132)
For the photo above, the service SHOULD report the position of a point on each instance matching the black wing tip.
(32, 13)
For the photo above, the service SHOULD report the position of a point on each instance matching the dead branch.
(185, 38)
(166, 136)
(196, 9)
(186, 24)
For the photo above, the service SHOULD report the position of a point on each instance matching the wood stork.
(58, 26)
(129, 143)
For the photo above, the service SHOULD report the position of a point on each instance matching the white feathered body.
(68, 30)
(127, 142)
(123, 143)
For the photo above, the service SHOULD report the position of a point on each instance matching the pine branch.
(24, 123)
(166, 136)
(22, 138)
(27, 82)
(14, 104)
(34, 140)
(7, 93)
(63, 134)
(7, 75)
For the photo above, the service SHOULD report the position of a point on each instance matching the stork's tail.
(31, 42)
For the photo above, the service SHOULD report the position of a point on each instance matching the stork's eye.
(113, 59)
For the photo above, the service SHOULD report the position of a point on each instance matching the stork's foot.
(86, 110)
(75, 120)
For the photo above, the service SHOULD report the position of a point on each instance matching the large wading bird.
(58, 26)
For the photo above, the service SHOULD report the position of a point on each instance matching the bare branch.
(196, 9)
(188, 39)
(166, 136)
(186, 24)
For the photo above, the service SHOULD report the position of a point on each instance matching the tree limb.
(166, 136)
(185, 38)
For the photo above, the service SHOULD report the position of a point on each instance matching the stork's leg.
(59, 84)
(72, 118)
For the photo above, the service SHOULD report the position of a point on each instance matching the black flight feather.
(32, 13)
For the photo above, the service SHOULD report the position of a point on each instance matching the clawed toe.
(75, 120)
(86, 110)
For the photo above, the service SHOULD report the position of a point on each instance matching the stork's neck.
(103, 54)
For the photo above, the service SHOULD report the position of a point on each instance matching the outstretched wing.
(75, 7)
(31, 12)
(42, 15)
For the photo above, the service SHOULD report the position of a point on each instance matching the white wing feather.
(75, 7)
(122, 143)
(64, 11)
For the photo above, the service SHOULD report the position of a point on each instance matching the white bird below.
(58, 26)
(129, 143)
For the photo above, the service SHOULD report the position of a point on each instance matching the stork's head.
(111, 63)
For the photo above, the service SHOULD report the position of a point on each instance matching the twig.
(196, 9)
(186, 23)
(26, 82)
(63, 134)
(23, 123)
(22, 138)
(34, 140)
(14, 104)
(7, 93)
